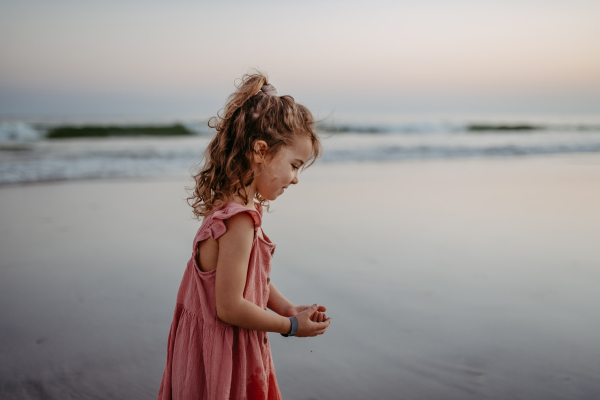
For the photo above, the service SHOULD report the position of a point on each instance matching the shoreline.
(577, 157)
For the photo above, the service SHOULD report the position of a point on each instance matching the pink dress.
(206, 357)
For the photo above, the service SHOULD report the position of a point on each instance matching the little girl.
(218, 345)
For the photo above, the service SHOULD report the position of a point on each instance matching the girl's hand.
(293, 310)
(311, 322)
(318, 317)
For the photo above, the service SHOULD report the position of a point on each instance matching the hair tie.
(269, 90)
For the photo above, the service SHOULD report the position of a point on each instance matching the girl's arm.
(278, 303)
(282, 306)
(235, 246)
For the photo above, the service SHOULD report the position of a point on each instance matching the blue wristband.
(294, 328)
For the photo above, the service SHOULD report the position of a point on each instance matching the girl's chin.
(273, 196)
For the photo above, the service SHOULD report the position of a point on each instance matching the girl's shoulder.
(232, 208)
(213, 226)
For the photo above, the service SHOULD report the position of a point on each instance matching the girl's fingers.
(304, 307)
(319, 331)
(322, 331)
(322, 325)
(318, 317)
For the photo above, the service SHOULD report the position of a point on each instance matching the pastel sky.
(182, 57)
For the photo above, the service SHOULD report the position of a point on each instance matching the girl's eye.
(294, 167)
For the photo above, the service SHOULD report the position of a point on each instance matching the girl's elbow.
(225, 313)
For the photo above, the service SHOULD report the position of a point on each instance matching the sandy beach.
(454, 279)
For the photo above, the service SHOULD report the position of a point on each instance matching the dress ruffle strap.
(215, 227)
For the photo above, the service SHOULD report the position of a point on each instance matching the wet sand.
(445, 279)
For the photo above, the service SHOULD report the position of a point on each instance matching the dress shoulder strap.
(214, 226)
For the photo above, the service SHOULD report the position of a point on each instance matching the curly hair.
(250, 114)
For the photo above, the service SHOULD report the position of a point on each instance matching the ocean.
(27, 156)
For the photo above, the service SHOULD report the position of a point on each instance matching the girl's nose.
(295, 180)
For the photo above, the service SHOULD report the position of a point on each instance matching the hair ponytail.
(248, 87)
(253, 112)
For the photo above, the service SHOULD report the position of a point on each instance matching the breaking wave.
(26, 156)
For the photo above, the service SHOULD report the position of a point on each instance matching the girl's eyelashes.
(294, 167)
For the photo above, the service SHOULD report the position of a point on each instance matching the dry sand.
(445, 279)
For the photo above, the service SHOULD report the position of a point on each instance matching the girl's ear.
(260, 150)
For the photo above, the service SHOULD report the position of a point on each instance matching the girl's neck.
(251, 193)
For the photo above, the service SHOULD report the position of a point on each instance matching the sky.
(182, 57)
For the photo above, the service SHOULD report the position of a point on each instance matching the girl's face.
(276, 173)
